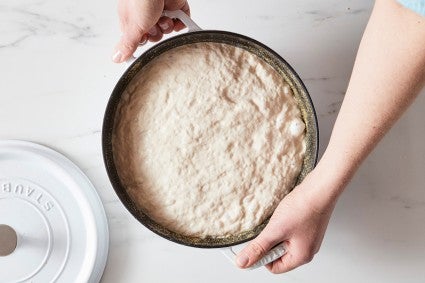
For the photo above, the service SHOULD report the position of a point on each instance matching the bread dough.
(207, 140)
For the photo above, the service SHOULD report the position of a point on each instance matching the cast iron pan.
(273, 59)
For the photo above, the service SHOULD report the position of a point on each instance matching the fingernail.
(153, 31)
(144, 39)
(242, 260)
(117, 57)
(164, 26)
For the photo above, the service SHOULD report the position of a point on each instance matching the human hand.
(141, 20)
(300, 222)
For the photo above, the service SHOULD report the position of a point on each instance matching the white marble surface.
(56, 78)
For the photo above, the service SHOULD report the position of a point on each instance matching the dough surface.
(208, 139)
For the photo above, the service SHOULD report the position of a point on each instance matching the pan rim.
(109, 117)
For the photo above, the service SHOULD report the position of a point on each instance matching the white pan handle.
(178, 14)
(182, 16)
(272, 255)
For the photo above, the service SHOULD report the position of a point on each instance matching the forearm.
(388, 74)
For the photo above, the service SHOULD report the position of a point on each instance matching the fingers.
(136, 19)
(166, 25)
(176, 5)
(178, 25)
(127, 45)
(131, 40)
(258, 247)
(296, 256)
(154, 34)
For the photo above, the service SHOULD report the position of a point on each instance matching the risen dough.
(208, 139)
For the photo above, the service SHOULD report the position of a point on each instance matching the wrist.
(323, 186)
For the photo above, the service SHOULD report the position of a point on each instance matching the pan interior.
(274, 60)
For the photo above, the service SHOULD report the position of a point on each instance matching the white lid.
(52, 223)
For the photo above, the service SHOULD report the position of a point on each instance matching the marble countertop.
(56, 78)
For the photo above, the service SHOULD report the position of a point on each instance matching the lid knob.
(8, 240)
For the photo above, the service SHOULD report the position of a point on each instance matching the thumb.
(128, 44)
(258, 247)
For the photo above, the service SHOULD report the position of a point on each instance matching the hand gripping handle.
(271, 256)
(180, 15)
